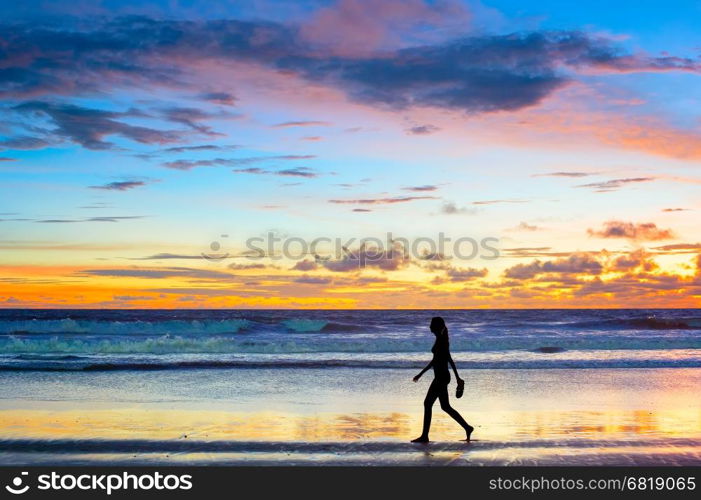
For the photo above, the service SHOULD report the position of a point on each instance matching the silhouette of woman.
(439, 387)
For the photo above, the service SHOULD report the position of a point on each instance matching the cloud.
(308, 123)
(3, 158)
(350, 28)
(160, 273)
(168, 256)
(115, 218)
(96, 205)
(192, 118)
(524, 226)
(638, 259)
(120, 185)
(574, 264)
(646, 231)
(288, 172)
(521, 252)
(313, 280)
(190, 164)
(133, 297)
(422, 130)
(297, 172)
(471, 74)
(626, 288)
(201, 147)
(17, 219)
(24, 143)
(433, 257)
(186, 149)
(305, 265)
(275, 158)
(450, 208)
(89, 127)
(484, 73)
(243, 267)
(614, 184)
(564, 174)
(675, 209)
(468, 274)
(199, 291)
(495, 202)
(480, 73)
(224, 98)
(419, 189)
(368, 257)
(381, 201)
(679, 248)
(252, 170)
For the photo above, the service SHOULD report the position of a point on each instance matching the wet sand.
(345, 416)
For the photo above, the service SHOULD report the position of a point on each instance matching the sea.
(139, 340)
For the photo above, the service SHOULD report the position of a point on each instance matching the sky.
(350, 154)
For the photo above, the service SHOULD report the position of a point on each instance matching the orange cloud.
(645, 231)
(580, 279)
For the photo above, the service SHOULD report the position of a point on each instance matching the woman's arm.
(429, 365)
(452, 364)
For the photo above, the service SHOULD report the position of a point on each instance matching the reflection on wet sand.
(521, 417)
(143, 423)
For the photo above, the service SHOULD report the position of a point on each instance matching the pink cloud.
(354, 27)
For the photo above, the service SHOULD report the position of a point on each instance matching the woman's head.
(438, 325)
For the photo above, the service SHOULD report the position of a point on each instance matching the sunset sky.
(142, 143)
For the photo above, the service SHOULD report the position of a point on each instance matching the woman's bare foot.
(420, 439)
(469, 432)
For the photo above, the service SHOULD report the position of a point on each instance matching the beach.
(543, 387)
(349, 416)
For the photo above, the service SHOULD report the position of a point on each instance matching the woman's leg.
(431, 397)
(445, 406)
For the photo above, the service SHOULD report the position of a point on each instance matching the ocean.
(108, 340)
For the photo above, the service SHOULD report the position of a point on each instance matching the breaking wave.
(167, 344)
(68, 325)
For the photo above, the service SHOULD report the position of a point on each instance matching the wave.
(316, 325)
(48, 357)
(304, 325)
(72, 326)
(197, 323)
(96, 445)
(647, 323)
(548, 349)
(278, 364)
(168, 344)
(173, 327)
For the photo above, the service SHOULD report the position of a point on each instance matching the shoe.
(460, 389)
